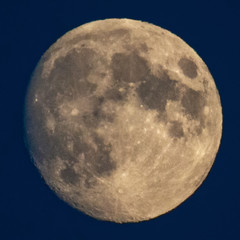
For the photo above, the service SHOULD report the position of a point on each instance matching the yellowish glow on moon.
(123, 119)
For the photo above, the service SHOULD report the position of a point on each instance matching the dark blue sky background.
(28, 208)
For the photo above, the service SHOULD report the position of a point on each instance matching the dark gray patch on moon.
(100, 159)
(176, 129)
(97, 159)
(77, 64)
(188, 67)
(59, 141)
(114, 94)
(97, 162)
(94, 118)
(193, 103)
(69, 176)
(129, 67)
(143, 47)
(68, 78)
(155, 91)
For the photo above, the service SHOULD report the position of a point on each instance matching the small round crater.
(188, 67)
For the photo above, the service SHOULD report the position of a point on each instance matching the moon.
(123, 119)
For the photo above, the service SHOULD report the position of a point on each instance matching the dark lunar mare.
(188, 67)
(66, 82)
(176, 130)
(154, 91)
(94, 118)
(69, 176)
(193, 103)
(129, 67)
(96, 163)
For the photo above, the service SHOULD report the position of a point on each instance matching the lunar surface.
(123, 120)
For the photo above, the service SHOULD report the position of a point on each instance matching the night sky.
(28, 208)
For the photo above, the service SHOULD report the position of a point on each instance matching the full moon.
(123, 119)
